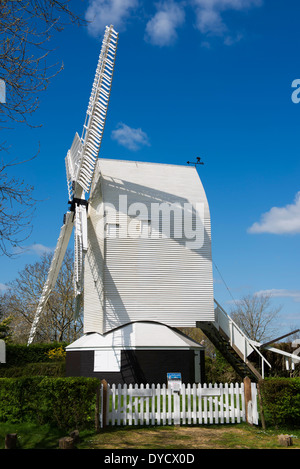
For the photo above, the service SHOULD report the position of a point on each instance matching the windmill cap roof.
(136, 335)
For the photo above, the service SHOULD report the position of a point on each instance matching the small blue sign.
(172, 376)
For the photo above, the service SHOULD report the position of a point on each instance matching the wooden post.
(66, 442)
(97, 409)
(262, 415)
(104, 403)
(75, 435)
(248, 397)
(285, 440)
(11, 441)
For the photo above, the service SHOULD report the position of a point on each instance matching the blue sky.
(208, 78)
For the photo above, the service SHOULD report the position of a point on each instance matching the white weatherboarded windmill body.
(147, 271)
(142, 261)
(149, 248)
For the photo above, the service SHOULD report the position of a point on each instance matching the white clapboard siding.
(195, 405)
(161, 278)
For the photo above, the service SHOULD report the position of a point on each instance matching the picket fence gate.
(194, 404)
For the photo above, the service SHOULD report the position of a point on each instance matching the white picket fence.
(194, 404)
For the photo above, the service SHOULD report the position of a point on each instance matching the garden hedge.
(54, 370)
(20, 354)
(281, 401)
(67, 403)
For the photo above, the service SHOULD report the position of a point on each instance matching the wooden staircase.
(232, 354)
(233, 344)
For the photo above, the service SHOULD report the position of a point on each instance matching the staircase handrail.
(252, 343)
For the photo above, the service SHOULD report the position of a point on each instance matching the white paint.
(136, 278)
(140, 335)
(196, 404)
(107, 360)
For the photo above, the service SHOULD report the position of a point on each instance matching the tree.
(255, 316)
(20, 302)
(26, 28)
(5, 333)
(16, 210)
(196, 334)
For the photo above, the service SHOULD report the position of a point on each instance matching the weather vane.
(197, 162)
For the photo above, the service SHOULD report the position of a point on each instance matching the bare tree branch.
(16, 209)
(20, 300)
(255, 315)
(26, 27)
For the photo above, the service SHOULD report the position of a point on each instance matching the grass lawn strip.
(212, 437)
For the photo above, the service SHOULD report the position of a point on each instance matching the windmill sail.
(80, 247)
(97, 109)
(58, 257)
(82, 168)
(80, 165)
(80, 250)
(72, 162)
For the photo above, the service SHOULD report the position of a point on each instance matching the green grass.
(230, 436)
(32, 436)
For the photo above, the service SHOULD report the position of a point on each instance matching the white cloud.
(281, 293)
(229, 40)
(161, 29)
(3, 287)
(133, 139)
(209, 15)
(209, 20)
(280, 220)
(101, 13)
(37, 249)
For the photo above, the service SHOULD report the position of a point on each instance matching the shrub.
(55, 369)
(64, 402)
(19, 355)
(281, 401)
(17, 399)
(57, 353)
(218, 370)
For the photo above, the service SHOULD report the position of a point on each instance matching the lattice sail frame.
(80, 247)
(58, 257)
(84, 156)
(72, 162)
(83, 165)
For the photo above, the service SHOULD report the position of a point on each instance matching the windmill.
(80, 164)
(138, 289)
